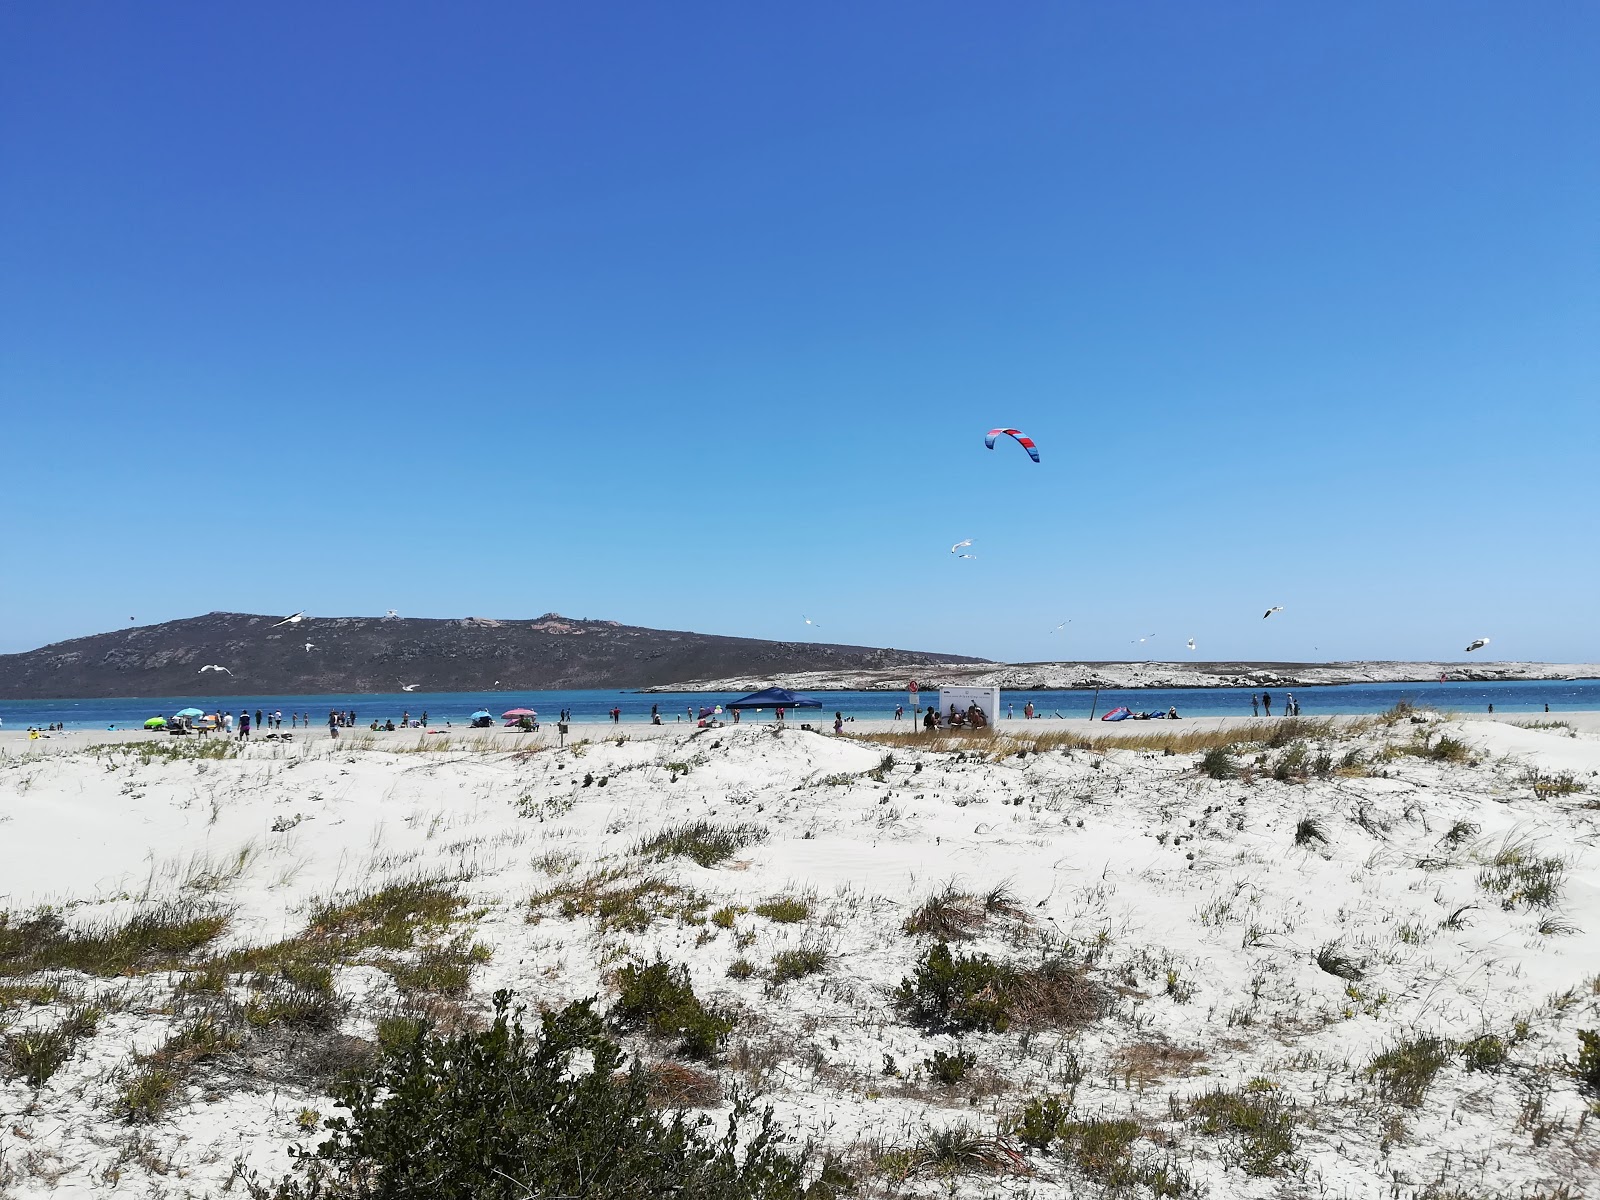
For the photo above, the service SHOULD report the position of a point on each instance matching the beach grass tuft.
(704, 842)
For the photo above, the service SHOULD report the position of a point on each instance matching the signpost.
(912, 692)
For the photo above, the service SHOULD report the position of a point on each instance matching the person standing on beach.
(244, 726)
(838, 723)
(1255, 705)
(780, 714)
(1009, 714)
(1266, 702)
(899, 711)
(1288, 704)
(333, 724)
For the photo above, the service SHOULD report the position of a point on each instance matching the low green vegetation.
(1102, 1148)
(956, 992)
(704, 842)
(147, 1095)
(1486, 1052)
(659, 1000)
(157, 938)
(785, 910)
(618, 900)
(35, 1055)
(1256, 1120)
(1587, 1067)
(952, 915)
(507, 1114)
(1406, 1070)
(1332, 959)
(788, 965)
(1310, 830)
(1219, 763)
(949, 1069)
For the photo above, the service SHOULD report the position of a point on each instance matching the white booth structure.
(986, 698)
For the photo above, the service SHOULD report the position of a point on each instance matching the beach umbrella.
(189, 712)
(156, 723)
(482, 712)
(519, 712)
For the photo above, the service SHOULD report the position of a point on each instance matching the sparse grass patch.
(1405, 1071)
(1218, 763)
(950, 914)
(389, 918)
(785, 910)
(157, 938)
(444, 969)
(1519, 874)
(618, 902)
(36, 1054)
(659, 999)
(1309, 830)
(704, 842)
(788, 965)
(960, 1150)
(1257, 1119)
(741, 968)
(724, 917)
(146, 1097)
(1587, 1068)
(14, 995)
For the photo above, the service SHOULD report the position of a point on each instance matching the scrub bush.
(507, 1115)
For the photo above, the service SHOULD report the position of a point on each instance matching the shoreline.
(498, 740)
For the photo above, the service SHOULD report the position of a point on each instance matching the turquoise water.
(454, 707)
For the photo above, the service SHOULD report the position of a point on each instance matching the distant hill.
(374, 654)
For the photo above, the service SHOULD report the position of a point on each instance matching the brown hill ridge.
(376, 654)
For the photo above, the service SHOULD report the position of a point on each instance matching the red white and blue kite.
(1023, 440)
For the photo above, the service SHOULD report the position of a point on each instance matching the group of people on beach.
(1291, 706)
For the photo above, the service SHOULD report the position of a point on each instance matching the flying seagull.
(958, 546)
(1270, 611)
(972, 556)
(1191, 643)
(294, 620)
(1477, 644)
(411, 687)
(1062, 626)
(310, 647)
(810, 622)
(213, 667)
(391, 615)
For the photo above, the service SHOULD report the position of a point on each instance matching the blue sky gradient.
(695, 315)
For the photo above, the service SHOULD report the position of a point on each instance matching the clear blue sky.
(694, 315)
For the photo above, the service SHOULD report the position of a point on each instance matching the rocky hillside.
(372, 654)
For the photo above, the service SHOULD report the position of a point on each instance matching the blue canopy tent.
(774, 698)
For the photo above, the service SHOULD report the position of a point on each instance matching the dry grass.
(1145, 1062)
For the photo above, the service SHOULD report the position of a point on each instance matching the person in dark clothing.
(1255, 705)
(1266, 702)
(244, 726)
(333, 724)
(258, 718)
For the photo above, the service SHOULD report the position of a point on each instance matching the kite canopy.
(1117, 714)
(156, 723)
(774, 698)
(1023, 440)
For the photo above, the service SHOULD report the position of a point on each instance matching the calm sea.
(455, 707)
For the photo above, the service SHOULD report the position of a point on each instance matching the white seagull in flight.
(1270, 611)
(1062, 626)
(411, 687)
(212, 667)
(958, 546)
(810, 622)
(1477, 644)
(391, 615)
(1191, 643)
(294, 620)
(310, 647)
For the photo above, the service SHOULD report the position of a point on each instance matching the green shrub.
(1588, 1065)
(1486, 1052)
(955, 992)
(1218, 763)
(1257, 1119)
(1406, 1070)
(1041, 1122)
(1291, 764)
(703, 841)
(501, 1115)
(1100, 1148)
(741, 968)
(949, 1069)
(660, 1000)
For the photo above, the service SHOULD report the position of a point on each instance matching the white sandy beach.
(1200, 913)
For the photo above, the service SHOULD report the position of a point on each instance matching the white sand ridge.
(1199, 915)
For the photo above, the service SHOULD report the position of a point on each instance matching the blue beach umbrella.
(189, 712)
(482, 712)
